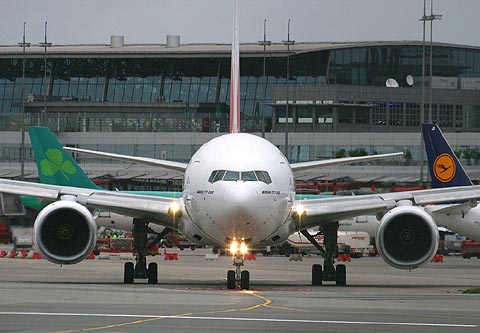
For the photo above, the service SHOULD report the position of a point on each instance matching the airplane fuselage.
(238, 186)
(467, 224)
(365, 223)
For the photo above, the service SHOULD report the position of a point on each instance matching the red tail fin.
(235, 76)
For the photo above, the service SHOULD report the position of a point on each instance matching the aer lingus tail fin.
(55, 166)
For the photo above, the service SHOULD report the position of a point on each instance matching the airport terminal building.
(165, 100)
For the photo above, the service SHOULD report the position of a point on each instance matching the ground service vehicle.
(470, 249)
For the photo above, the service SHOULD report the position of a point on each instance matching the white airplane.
(364, 223)
(121, 222)
(359, 240)
(238, 192)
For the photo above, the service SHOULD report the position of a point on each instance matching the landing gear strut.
(329, 273)
(140, 270)
(237, 275)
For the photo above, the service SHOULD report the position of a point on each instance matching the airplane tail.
(235, 76)
(444, 166)
(56, 166)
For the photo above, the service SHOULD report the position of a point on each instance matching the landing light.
(234, 247)
(174, 207)
(243, 248)
(299, 209)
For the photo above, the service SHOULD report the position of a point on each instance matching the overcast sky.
(149, 21)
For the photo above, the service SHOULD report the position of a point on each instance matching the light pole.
(44, 44)
(431, 18)
(264, 43)
(422, 105)
(287, 42)
(425, 18)
(24, 45)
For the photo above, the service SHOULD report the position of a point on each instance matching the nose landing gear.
(237, 275)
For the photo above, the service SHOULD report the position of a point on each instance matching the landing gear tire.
(341, 275)
(152, 273)
(231, 279)
(317, 275)
(141, 249)
(245, 280)
(128, 273)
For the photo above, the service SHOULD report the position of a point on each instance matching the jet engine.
(65, 232)
(407, 237)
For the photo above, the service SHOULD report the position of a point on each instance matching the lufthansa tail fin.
(56, 166)
(445, 168)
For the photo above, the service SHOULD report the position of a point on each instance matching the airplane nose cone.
(240, 199)
(240, 205)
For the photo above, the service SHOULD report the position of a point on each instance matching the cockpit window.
(212, 176)
(267, 177)
(248, 176)
(232, 176)
(219, 175)
(261, 176)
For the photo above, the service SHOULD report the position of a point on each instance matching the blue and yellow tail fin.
(445, 168)
(56, 166)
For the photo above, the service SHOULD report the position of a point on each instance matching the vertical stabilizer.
(56, 166)
(235, 76)
(444, 166)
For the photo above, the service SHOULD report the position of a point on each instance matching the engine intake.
(65, 232)
(407, 237)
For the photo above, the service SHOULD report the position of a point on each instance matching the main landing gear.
(329, 273)
(237, 275)
(140, 243)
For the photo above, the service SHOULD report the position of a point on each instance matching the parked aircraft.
(238, 192)
(357, 241)
(47, 149)
(364, 223)
(446, 171)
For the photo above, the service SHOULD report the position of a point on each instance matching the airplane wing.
(339, 161)
(182, 166)
(134, 159)
(314, 212)
(306, 213)
(154, 209)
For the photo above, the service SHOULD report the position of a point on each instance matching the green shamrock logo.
(55, 163)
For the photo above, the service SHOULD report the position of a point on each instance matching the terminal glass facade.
(333, 93)
(369, 66)
(196, 80)
(206, 80)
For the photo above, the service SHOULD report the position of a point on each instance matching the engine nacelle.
(65, 232)
(407, 237)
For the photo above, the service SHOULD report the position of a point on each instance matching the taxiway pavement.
(191, 296)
